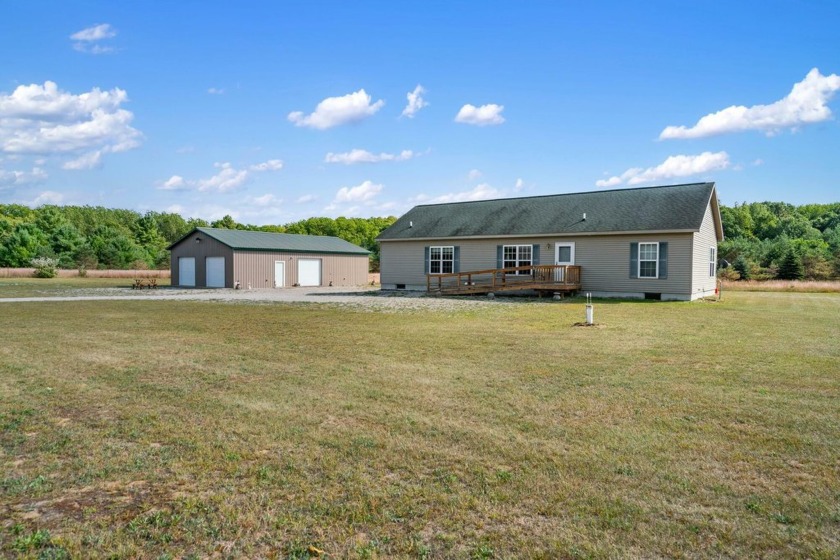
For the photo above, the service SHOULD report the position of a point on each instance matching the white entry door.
(215, 272)
(564, 253)
(279, 274)
(186, 271)
(309, 272)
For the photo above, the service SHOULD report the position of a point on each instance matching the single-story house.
(227, 258)
(653, 242)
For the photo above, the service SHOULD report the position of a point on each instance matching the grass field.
(164, 429)
(47, 287)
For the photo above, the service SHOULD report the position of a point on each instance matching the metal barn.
(226, 258)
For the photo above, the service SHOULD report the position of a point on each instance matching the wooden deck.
(541, 278)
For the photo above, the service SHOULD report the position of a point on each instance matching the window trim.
(518, 260)
(655, 261)
(441, 260)
(712, 262)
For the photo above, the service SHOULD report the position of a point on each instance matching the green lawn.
(167, 429)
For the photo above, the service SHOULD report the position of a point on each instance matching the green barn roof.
(286, 242)
(665, 208)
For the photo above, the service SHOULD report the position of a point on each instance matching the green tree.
(66, 241)
(225, 223)
(742, 267)
(23, 244)
(113, 249)
(791, 266)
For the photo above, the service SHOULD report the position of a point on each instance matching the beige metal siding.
(256, 268)
(207, 247)
(605, 261)
(701, 283)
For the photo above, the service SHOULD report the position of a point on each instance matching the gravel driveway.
(365, 298)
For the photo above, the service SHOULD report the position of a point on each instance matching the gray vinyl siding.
(207, 247)
(257, 268)
(703, 284)
(604, 261)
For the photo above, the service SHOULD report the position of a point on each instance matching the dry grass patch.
(676, 430)
(808, 286)
(47, 287)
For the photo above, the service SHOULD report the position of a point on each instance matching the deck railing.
(558, 277)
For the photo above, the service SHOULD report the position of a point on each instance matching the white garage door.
(186, 271)
(215, 272)
(309, 272)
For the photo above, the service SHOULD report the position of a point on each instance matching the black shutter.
(634, 260)
(456, 260)
(663, 259)
(535, 255)
(499, 261)
(426, 260)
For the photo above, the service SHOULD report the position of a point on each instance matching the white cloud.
(481, 192)
(520, 184)
(48, 197)
(473, 174)
(360, 193)
(89, 160)
(270, 165)
(16, 178)
(95, 33)
(37, 119)
(265, 200)
(758, 162)
(306, 198)
(415, 102)
(481, 116)
(87, 40)
(227, 179)
(613, 181)
(364, 156)
(334, 111)
(174, 183)
(674, 166)
(805, 104)
(215, 91)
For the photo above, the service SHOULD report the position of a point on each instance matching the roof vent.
(584, 217)
(410, 224)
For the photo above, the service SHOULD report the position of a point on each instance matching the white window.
(712, 262)
(441, 260)
(648, 260)
(516, 255)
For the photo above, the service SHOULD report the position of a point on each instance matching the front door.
(564, 254)
(279, 274)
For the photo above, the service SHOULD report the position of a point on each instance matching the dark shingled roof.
(666, 208)
(286, 242)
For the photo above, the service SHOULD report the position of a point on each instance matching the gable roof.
(660, 209)
(286, 242)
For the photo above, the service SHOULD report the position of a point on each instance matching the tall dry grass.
(812, 286)
(73, 273)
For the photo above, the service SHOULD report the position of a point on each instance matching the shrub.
(45, 267)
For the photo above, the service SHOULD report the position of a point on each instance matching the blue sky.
(277, 111)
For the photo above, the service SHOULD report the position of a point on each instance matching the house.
(227, 258)
(653, 242)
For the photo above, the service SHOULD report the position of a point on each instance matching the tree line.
(766, 240)
(88, 237)
(763, 240)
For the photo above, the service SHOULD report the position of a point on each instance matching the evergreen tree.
(791, 267)
(742, 266)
